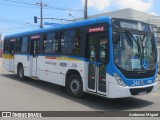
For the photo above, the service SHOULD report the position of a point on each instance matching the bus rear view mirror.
(115, 37)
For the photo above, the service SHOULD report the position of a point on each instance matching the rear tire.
(21, 72)
(75, 86)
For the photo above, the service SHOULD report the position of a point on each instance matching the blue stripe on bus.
(91, 21)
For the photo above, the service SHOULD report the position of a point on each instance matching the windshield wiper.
(140, 54)
(130, 37)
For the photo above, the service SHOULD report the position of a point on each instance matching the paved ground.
(31, 95)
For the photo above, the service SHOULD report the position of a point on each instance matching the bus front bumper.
(117, 91)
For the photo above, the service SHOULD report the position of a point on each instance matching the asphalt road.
(33, 95)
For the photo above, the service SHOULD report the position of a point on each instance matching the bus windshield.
(135, 51)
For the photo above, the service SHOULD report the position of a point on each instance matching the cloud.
(140, 5)
(154, 13)
(99, 4)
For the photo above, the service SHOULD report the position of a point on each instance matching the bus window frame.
(27, 45)
(4, 48)
(59, 42)
(14, 48)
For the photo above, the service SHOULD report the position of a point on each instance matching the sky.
(18, 15)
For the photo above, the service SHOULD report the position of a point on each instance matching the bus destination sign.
(132, 24)
(35, 37)
(13, 40)
(97, 29)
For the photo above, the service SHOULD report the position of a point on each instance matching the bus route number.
(136, 83)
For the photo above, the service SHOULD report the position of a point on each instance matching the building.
(136, 15)
(132, 14)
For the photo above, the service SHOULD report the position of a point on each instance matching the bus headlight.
(119, 80)
(156, 79)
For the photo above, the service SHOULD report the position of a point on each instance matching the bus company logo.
(6, 114)
(63, 64)
(149, 81)
(51, 63)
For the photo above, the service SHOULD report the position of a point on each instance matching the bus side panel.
(24, 59)
(6, 64)
(48, 71)
(8, 61)
(85, 80)
(11, 63)
(54, 69)
(73, 64)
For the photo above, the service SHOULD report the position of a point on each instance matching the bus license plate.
(142, 93)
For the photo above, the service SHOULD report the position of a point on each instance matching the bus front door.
(97, 55)
(34, 43)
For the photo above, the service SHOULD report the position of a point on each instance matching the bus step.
(34, 78)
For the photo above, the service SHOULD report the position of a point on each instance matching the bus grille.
(136, 91)
(138, 75)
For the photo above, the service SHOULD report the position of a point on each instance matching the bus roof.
(64, 26)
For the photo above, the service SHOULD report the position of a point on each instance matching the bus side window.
(12, 47)
(18, 45)
(49, 43)
(92, 48)
(6, 46)
(70, 42)
(44, 42)
(103, 48)
(62, 42)
(56, 45)
(76, 49)
(24, 48)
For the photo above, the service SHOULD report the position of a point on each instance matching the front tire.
(75, 86)
(21, 72)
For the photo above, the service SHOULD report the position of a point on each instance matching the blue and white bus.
(105, 56)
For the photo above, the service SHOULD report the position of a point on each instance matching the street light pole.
(41, 4)
(85, 10)
(41, 25)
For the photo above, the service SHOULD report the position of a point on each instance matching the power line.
(19, 2)
(8, 29)
(11, 21)
(16, 5)
(68, 9)
(4, 21)
(48, 7)
(61, 19)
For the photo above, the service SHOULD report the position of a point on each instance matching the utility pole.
(86, 10)
(41, 4)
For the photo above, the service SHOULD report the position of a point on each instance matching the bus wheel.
(21, 72)
(75, 86)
